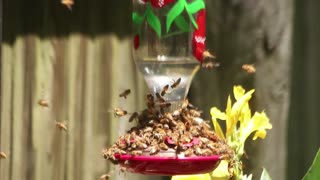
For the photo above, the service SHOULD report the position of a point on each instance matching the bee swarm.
(160, 133)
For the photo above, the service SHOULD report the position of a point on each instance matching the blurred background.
(76, 61)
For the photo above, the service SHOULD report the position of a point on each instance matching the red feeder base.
(154, 165)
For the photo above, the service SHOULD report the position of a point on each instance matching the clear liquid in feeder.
(162, 70)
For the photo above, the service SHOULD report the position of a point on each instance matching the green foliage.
(314, 171)
(136, 18)
(182, 23)
(153, 20)
(174, 12)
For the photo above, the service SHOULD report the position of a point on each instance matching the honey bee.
(148, 129)
(188, 152)
(61, 126)
(3, 155)
(125, 93)
(133, 116)
(164, 90)
(119, 112)
(105, 176)
(160, 99)
(141, 145)
(166, 126)
(68, 3)
(165, 105)
(210, 65)
(249, 68)
(163, 146)
(207, 54)
(150, 100)
(198, 151)
(136, 153)
(123, 169)
(206, 152)
(153, 150)
(175, 83)
(195, 113)
(43, 103)
(185, 104)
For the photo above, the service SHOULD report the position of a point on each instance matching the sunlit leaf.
(215, 112)
(153, 21)
(314, 172)
(222, 171)
(174, 12)
(265, 175)
(195, 6)
(182, 23)
(238, 92)
(217, 128)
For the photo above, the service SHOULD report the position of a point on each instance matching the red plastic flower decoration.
(199, 38)
(136, 41)
(159, 3)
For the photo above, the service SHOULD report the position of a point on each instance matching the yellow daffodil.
(240, 124)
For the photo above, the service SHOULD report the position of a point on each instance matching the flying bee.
(105, 176)
(160, 99)
(164, 90)
(61, 126)
(119, 112)
(68, 3)
(133, 116)
(175, 83)
(249, 68)
(3, 155)
(210, 65)
(125, 93)
(43, 103)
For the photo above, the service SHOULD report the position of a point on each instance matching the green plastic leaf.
(136, 18)
(182, 23)
(174, 12)
(314, 171)
(265, 175)
(195, 6)
(153, 21)
(193, 20)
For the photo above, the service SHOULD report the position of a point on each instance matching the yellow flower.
(192, 177)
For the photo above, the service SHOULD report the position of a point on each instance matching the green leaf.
(193, 20)
(182, 23)
(265, 175)
(136, 18)
(153, 21)
(174, 12)
(195, 6)
(314, 171)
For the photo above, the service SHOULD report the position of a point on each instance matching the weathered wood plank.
(6, 108)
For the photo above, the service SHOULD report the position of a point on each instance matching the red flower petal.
(136, 41)
(199, 36)
(160, 3)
